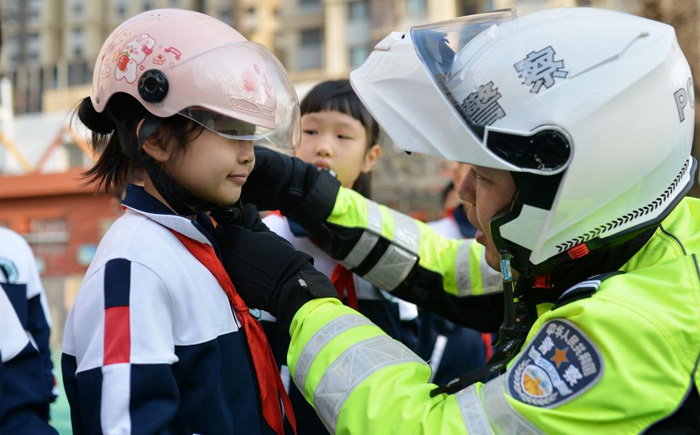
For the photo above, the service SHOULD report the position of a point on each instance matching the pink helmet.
(183, 62)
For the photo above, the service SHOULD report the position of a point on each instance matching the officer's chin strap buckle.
(518, 317)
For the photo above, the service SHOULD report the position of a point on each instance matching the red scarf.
(344, 283)
(263, 359)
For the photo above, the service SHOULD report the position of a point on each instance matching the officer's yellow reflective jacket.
(623, 360)
(407, 258)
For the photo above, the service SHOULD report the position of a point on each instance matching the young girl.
(152, 344)
(340, 135)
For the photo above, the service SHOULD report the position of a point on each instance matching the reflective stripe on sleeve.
(395, 264)
(475, 420)
(368, 239)
(500, 413)
(392, 268)
(406, 232)
(352, 367)
(319, 340)
(360, 251)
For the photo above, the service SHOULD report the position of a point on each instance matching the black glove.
(266, 270)
(299, 190)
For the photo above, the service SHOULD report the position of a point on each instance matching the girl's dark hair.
(118, 147)
(338, 96)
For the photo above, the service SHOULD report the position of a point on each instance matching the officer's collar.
(139, 201)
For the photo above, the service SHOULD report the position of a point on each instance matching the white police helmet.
(591, 110)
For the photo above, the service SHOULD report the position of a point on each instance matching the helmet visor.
(240, 91)
(226, 126)
(464, 59)
(447, 49)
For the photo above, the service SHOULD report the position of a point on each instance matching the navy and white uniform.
(151, 344)
(450, 349)
(396, 317)
(26, 372)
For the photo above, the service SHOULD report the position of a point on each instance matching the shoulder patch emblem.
(560, 364)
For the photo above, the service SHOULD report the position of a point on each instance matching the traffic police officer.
(579, 124)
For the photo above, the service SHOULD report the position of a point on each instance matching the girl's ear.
(370, 159)
(159, 151)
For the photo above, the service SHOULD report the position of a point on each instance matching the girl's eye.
(310, 132)
(340, 136)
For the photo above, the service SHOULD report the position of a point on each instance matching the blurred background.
(48, 47)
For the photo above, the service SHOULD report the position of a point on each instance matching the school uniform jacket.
(151, 344)
(26, 376)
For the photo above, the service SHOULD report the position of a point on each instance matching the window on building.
(415, 7)
(121, 9)
(358, 55)
(358, 11)
(174, 3)
(78, 41)
(48, 237)
(226, 16)
(147, 5)
(311, 51)
(34, 10)
(584, 3)
(77, 8)
(470, 7)
(78, 73)
(310, 4)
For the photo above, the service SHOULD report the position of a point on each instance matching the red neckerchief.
(344, 283)
(263, 360)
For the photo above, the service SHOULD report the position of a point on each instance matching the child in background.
(27, 384)
(340, 135)
(152, 344)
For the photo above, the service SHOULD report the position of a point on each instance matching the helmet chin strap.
(178, 198)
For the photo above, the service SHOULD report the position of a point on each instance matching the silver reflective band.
(368, 239)
(503, 418)
(473, 414)
(374, 217)
(319, 340)
(462, 270)
(406, 232)
(352, 367)
(398, 260)
(360, 251)
(392, 268)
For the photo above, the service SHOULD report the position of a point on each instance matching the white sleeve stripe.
(115, 400)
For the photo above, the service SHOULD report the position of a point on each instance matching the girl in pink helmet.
(158, 339)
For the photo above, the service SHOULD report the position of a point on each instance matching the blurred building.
(49, 46)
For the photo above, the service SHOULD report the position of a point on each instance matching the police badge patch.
(561, 363)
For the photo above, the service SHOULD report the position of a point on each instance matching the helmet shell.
(616, 86)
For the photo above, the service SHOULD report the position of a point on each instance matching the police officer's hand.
(281, 182)
(266, 270)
